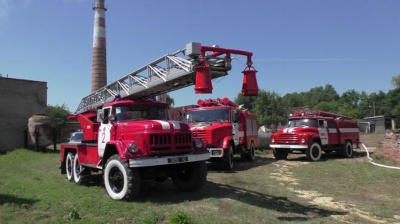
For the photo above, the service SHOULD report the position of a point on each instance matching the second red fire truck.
(226, 129)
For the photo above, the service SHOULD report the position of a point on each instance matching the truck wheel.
(121, 182)
(347, 150)
(78, 171)
(251, 153)
(280, 154)
(227, 162)
(314, 152)
(192, 177)
(69, 164)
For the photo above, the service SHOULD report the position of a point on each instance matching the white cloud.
(6, 6)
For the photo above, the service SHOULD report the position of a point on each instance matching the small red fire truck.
(129, 137)
(226, 129)
(312, 132)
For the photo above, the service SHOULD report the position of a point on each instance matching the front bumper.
(279, 146)
(168, 160)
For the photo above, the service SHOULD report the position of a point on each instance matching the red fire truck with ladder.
(226, 128)
(312, 132)
(129, 137)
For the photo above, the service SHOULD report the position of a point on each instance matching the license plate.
(178, 159)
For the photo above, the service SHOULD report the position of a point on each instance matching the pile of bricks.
(391, 146)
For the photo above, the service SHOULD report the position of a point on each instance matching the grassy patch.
(263, 191)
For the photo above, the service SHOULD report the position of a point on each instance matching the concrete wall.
(19, 100)
(373, 124)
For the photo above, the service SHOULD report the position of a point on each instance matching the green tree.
(169, 100)
(58, 115)
(270, 109)
(396, 81)
(246, 101)
(351, 97)
(293, 101)
(319, 94)
(332, 106)
(364, 107)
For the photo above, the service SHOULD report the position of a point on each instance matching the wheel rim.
(69, 166)
(349, 150)
(77, 169)
(315, 152)
(116, 180)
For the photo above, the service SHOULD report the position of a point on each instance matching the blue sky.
(296, 45)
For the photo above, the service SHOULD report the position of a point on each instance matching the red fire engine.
(226, 129)
(130, 138)
(312, 132)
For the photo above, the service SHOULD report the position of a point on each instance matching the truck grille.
(203, 135)
(287, 139)
(170, 141)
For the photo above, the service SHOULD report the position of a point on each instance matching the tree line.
(273, 109)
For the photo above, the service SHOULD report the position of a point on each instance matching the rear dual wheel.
(249, 154)
(69, 164)
(74, 170)
(347, 150)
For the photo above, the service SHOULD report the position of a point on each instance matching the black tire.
(227, 162)
(69, 166)
(251, 156)
(80, 175)
(121, 182)
(280, 154)
(192, 177)
(314, 152)
(347, 150)
(243, 156)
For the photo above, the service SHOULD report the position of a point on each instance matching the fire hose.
(377, 164)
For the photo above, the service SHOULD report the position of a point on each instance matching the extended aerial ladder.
(172, 72)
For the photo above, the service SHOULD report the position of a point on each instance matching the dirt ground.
(383, 146)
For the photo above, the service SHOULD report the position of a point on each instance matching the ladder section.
(163, 75)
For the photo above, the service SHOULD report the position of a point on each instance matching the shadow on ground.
(10, 199)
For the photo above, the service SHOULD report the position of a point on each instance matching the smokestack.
(99, 56)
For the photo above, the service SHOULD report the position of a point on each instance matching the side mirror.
(111, 117)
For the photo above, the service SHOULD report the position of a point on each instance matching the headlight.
(303, 140)
(133, 148)
(273, 140)
(198, 143)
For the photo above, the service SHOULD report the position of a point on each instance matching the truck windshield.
(302, 122)
(208, 115)
(138, 112)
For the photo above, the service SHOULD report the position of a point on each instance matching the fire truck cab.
(226, 129)
(312, 132)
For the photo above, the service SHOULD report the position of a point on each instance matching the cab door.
(104, 131)
(323, 132)
(235, 126)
